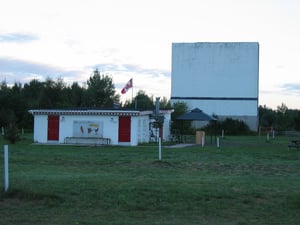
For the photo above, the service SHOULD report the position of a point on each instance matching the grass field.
(246, 181)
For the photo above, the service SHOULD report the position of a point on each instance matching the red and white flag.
(127, 86)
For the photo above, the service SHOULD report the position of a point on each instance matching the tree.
(32, 93)
(266, 116)
(101, 91)
(164, 103)
(282, 108)
(7, 117)
(143, 101)
(12, 134)
(140, 101)
(76, 94)
(53, 94)
(297, 122)
(180, 108)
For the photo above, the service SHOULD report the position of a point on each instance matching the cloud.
(132, 68)
(17, 37)
(291, 88)
(154, 81)
(16, 70)
(151, 80)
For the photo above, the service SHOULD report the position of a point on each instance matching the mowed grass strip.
(246, 181)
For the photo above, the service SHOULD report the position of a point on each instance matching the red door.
(53, 128)
(124, 128)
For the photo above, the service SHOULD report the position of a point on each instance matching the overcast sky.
(133, 39)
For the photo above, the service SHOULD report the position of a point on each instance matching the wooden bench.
(88, 140)
(294, 144)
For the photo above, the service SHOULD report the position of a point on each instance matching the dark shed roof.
(196, 114)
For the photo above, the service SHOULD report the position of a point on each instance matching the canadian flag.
(127, 86)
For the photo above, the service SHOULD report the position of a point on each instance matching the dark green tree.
(297, 122)
(12, 104)
(54, 94)
(32, 92)
(143, 101)
(177, 126)
(140, 101)
(100, 91)
(76, 95)
(12, 134)
(164, 103)
(266, 116)
(7, 117)
(5, 94)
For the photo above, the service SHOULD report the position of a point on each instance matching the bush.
(230, 126)
(12, 134)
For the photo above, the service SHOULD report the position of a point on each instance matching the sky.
(126, 39)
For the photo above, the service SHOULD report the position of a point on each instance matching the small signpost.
(6, 180)
(159, 121)
(218, 142)
(159, 148)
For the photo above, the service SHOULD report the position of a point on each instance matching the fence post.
(159, 148)
(6, 178)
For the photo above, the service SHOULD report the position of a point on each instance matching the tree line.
(281, 119)
(99, 91)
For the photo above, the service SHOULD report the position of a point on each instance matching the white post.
(222, 134)
(159, 148)
(218, 142)
(6, 180)
(203, 141)
(268, 137)
(2, 131)
(273, 134)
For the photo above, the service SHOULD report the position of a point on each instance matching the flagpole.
(132, 92)
(135, 103)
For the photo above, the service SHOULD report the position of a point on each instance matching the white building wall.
(225, 108)
(143, 133)
(110, 126)
(134, 131)
(219, 78)
(166, 127)
(215, 69)
(110, 129)
(40, 128)
(71, 125)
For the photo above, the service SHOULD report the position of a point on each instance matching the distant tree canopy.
(15, 101)
(101, 91)
(180, 127)
(144, 101)
(229, 125)
(280, 119)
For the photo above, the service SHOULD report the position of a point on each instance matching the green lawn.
(246, 181)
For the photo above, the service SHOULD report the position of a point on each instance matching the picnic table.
(294, 144)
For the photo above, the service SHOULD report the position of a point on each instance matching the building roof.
(196, 115)
(91, 111)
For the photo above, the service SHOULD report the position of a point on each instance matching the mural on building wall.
(84, 128)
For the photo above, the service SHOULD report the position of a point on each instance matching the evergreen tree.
(100, 92)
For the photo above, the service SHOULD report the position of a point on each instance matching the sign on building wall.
(84, 128)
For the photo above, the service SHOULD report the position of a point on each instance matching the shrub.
(12, 134)
(230, 126)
